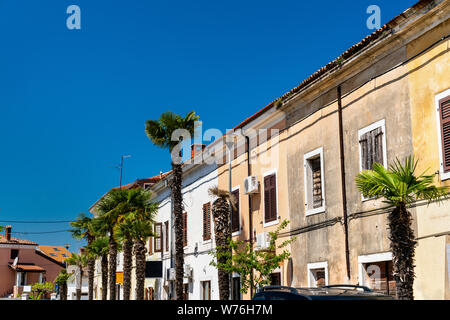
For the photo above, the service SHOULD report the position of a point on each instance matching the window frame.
(378, 124)
(160, 238)
(308, 156)
(238, 232)
(369, 258)
(445, 175)
(277, 220)
(206, 237)
(314, 266)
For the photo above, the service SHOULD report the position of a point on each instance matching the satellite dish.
(15, 261)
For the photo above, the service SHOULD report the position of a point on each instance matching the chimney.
(160, 174)
(8, 233)
(196, 149)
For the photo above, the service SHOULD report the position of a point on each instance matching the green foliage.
(82, 227)
(242, 260)
(398, 184)
(98, 247)
(79, 260)
(40, 289)
(160, 131)
(62, 277)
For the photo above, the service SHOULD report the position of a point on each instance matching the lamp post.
(121, 168)
(230, 141)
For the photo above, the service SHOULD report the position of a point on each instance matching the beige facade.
(388, 86)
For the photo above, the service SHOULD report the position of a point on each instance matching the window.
(167, 235)
(270, 198)
(317, 274)
(206, 290)
(184, 222)
(235, 221)
(53, 255)
(442, 102)
(158, 237)
(236, 288)
(147, 186)
(376, 272)
(275, 279)
(314, 182)
(56, 249)
(207, 221)
(372, 145)
(14, 253)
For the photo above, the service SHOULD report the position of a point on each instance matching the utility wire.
(31, 221)
(41, 232)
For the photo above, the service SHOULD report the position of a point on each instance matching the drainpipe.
(344, 192)
(250, 224)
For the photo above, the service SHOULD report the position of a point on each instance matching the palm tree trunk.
(221, 213)
(104, 263)
(63, 291)
(403, 250)
(79, 283)
(127, 266)
(178, 225)
(139, 251)
(112, 266)
(91, 269)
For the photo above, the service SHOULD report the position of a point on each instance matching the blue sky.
(73, 101)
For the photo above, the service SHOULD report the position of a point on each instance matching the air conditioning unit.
(251, 185)
(188, 271)
(171, 274)
(262, 241)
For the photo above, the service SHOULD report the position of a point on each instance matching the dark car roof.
(344, 292)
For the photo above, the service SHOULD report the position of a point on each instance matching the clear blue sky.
(73, 101)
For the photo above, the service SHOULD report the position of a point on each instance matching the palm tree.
(221, 215)
(400, 188)
(160, 133)
(110, 209)
(99, 249)
(80, 261)
(61, 281)
(125, 234)
(142, 229)
(83, 229)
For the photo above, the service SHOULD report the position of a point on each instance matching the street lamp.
(121, 168)
(230, 141)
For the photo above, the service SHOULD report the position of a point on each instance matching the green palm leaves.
(160, 131)
(398, 184)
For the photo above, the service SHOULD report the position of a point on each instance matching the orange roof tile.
(13, 240)
(27, 267)
(57, 253)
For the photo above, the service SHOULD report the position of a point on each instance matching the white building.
(72, 284)
(201, 280)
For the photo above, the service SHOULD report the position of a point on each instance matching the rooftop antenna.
(121, 168)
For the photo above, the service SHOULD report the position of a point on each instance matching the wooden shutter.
(270, 198)
(207, 221)
(371, 148)
(444, 111)
(150, 245)
(235, 223)
(364, 151)
(316, 182)
(167, 235)
(158, 237)
(184, 220)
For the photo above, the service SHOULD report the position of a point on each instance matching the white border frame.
(376, 257)
(444, 175)
(379, 124)
(237, 233)
(314, 266)
(275, 222)
(306, 157)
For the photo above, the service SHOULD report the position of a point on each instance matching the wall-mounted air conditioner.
(171, 274)
(262, 241)
(251, 185)
(188, 271)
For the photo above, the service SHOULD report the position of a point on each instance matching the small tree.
(40, 290)
(243, 259)
(61, 281)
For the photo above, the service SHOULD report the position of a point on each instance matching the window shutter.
(207, 221)
(235, 223)
(270, 198)
(167, 235)
(158, 237)
(150, 245)
(364, 151)
(444, 110)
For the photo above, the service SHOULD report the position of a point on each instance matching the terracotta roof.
(16, 241)
(27, 267)
(353, 50)
(57, 253)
